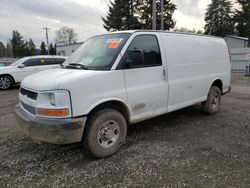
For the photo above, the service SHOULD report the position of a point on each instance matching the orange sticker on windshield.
(114, 44)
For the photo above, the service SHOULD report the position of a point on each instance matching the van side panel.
(194, 62)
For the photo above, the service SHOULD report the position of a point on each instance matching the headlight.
(54, 104)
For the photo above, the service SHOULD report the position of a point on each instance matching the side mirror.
(133, 58)
(21, 66)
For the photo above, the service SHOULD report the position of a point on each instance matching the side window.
(59, 61)
(43, 62)
(149, 48)
(32, 62)
(53, 61)
(49, 61)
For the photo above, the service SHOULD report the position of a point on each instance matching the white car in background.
(16, 72)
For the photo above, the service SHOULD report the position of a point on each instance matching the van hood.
(55, 79)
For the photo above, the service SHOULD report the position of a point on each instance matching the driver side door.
(146, 81)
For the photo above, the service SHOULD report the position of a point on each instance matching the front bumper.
(55, 131)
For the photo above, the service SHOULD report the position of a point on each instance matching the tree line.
(137, 14)
(17, 46)
(220, 17)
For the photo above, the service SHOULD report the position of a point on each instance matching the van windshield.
(97, 53)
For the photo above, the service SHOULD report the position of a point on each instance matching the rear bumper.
(55, 131)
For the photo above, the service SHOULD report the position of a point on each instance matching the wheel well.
(218, 83)
(117, 105)
(13, 80)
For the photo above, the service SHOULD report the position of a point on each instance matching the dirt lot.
(185, 148)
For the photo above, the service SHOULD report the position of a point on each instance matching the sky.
(29, 17)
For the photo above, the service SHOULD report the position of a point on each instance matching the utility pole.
(162, 17)
(47, 37)
(154, 15)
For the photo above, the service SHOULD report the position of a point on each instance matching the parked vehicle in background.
(2, 64)
(17, 71)
(122, 78)
(7, 61)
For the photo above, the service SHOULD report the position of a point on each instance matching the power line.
(47, 37)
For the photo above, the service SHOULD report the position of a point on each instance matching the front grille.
(29, 94)
(29, 108)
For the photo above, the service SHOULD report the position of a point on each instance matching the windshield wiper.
(77, 66)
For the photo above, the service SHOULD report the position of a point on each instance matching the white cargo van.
(118, 79)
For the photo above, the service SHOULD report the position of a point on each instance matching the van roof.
(170, 32)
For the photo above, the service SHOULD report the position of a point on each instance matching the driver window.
(148, 44)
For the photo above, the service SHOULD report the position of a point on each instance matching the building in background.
(67, 50)
(236, 42)
(240, 53)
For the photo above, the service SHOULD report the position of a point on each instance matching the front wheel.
(105, 133)
(212, 105)
(5, 82)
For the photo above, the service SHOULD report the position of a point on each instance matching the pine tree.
(242, 19)
(18, 44)
(9, 50)
(2, 50)
(121, 16)
(137, 14)
(43, 50)
(31, 47)
(144, 10)
(52, 49)
(55, 48)
(218, 18)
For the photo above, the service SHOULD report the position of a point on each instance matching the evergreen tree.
(9, 50)
(242, 19)
(144, 10)
(26, 51)
(2, 50)
(18, 44)
(137, 14)
(32, 47)
(121, 16)
(218, 18)
(55, 48)
(52, 49)
(43, 50)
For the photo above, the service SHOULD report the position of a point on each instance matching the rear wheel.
(105, 133)
(5, 82)
(212, 105)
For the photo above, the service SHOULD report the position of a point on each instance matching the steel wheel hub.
(108, 134)
(215, 100)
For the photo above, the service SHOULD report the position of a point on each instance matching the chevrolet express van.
(118, 79)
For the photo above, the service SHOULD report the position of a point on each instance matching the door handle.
(164, 74)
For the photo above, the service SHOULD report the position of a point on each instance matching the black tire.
(213, 102)
(105, 132)
(6, 82)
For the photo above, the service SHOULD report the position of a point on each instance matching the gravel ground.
(185, 148)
